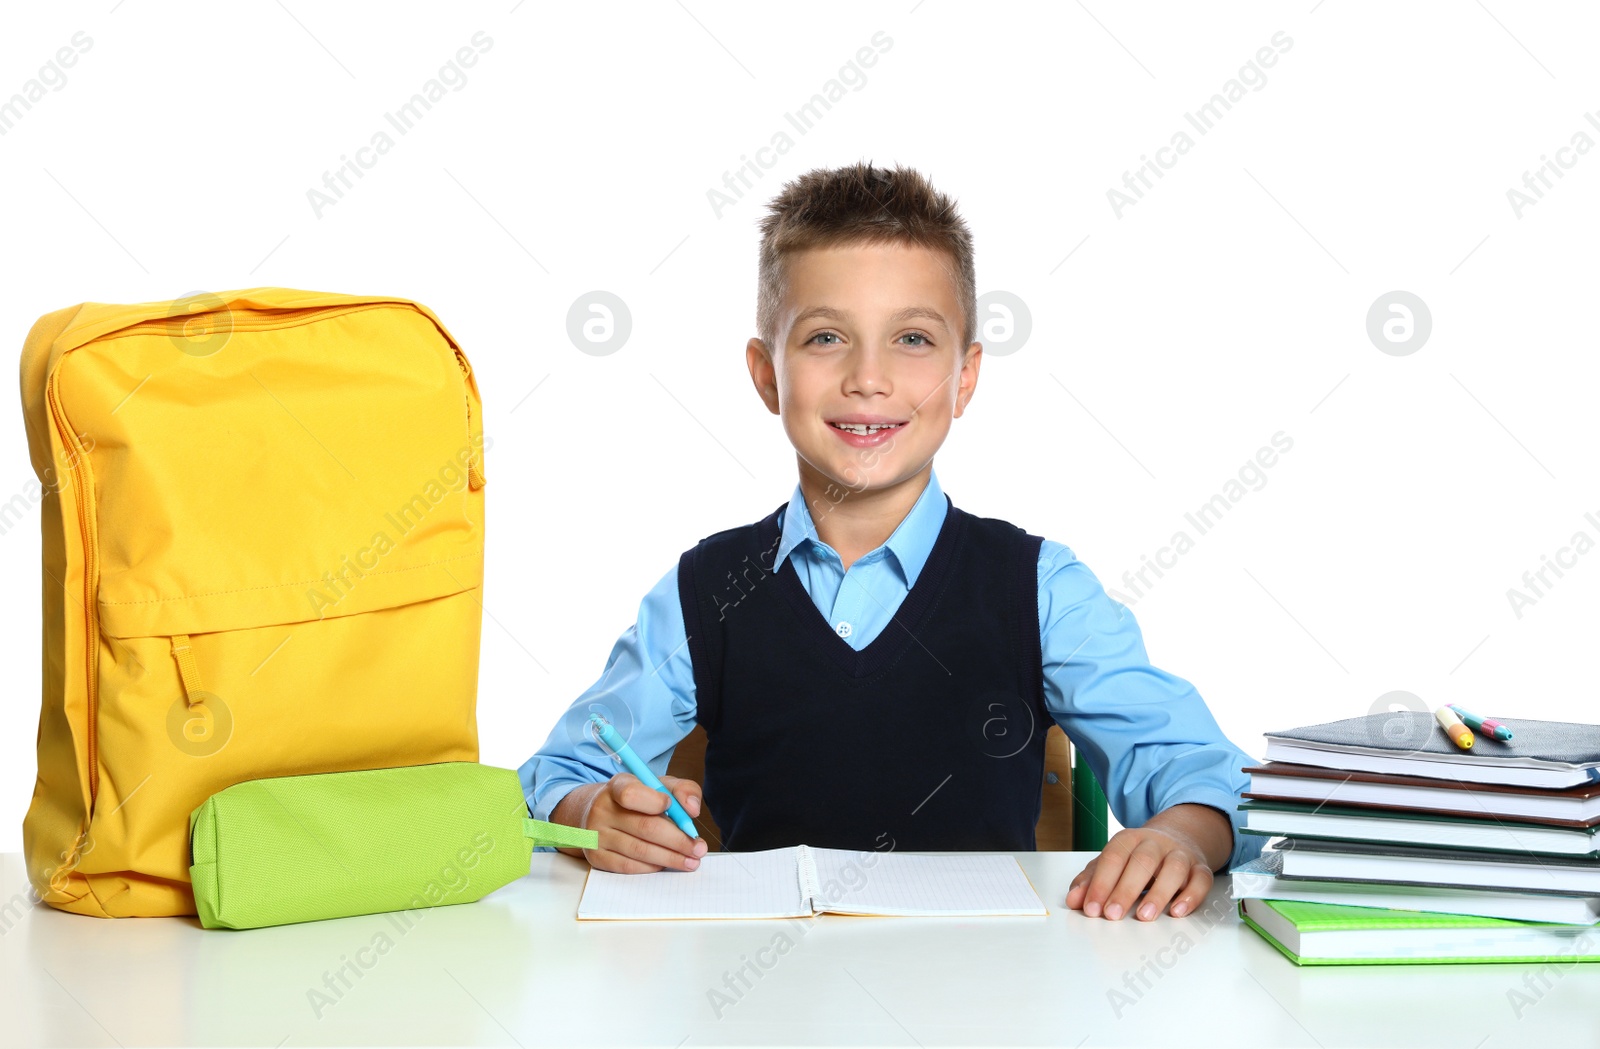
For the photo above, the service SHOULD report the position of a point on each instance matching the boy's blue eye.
(917, 335)
(823, 335)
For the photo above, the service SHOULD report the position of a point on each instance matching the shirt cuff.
(1246, 847)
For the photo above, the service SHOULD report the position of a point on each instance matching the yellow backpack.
(262, 536)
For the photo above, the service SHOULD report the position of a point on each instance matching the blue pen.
(633, 764)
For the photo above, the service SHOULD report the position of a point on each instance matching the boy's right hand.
(635, 837)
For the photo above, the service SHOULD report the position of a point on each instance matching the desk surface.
(518, 969)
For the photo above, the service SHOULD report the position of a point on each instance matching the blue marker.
(1484, 726)
(633, 764)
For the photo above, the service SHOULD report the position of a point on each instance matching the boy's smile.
(868, 370)
(865, 431)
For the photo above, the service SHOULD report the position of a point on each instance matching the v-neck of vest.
(908, 617)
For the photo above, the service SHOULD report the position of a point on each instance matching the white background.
(1167, 344)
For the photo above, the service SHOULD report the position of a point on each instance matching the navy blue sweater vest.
(929, 738)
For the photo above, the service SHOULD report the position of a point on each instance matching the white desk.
(518, 969)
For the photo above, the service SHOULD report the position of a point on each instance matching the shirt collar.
(908, 545)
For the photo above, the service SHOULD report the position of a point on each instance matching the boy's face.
(867, 334)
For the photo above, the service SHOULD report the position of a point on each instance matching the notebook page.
(727, 885)
(913, 885)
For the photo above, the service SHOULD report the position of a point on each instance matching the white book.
(804, 880)
(1409, 829)
(1259, 880)
(1464, 868)
(1346, 787)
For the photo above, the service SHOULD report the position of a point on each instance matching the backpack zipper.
(243, 320)
(475, 478)
(91, 570)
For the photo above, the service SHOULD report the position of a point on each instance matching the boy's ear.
(969, 377)
(763, 373)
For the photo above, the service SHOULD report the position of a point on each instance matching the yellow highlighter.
(1454, 727)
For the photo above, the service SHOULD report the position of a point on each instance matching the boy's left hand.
(1166, 859)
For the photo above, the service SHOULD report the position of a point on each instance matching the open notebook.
(802, 881)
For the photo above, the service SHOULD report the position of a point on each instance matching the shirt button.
(843, 628)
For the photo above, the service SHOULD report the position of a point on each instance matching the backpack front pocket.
(379, 689)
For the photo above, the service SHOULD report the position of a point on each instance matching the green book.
(1339, 934)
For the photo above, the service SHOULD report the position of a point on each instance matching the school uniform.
(902, 703)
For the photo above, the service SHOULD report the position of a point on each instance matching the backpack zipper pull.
(188, 669)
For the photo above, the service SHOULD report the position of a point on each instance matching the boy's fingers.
(687, 791)
(657, 855)
(658, 830)
(1137, 873)
(651, 805)
(1195, 890)
(1174, 874)
(1080, 884)
(635, 796)
(623, 842)
(628, 854)
(606, 860)
(634, 837)
(1106, 873)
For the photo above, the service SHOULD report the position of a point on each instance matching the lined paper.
(768, 884)
(902, 884)
(726, 885)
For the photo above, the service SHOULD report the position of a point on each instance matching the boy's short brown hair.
(826, 208)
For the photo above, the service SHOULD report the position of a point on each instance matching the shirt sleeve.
(1147, 735)
(646, 691)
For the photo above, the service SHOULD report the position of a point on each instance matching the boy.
(873, 666)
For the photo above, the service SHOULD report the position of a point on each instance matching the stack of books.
(1392, 844)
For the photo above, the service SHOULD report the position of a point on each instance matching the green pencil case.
(337, 844)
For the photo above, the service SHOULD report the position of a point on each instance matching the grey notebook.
(1401, 733)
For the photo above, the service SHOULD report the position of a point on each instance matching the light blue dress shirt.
(1147, 735)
